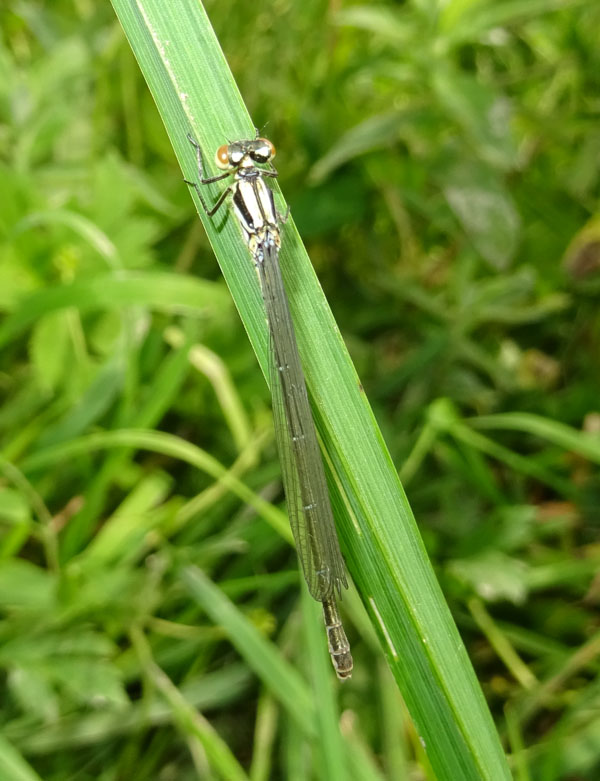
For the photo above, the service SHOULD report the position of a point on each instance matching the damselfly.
(308, 503)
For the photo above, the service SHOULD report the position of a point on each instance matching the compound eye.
(264, 150)
(222, 157)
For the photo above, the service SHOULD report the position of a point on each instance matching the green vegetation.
(442, 163)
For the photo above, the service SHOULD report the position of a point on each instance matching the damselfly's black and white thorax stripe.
(254, 206)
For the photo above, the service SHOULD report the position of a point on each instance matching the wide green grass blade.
(194, 91)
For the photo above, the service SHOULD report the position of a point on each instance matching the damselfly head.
(245, 153)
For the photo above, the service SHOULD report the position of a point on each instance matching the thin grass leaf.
(580, 442)
(200, 734)
(281, 679)
(284, 682)
(209, 691)
(160, 442)
(13, 766)
(163, 291)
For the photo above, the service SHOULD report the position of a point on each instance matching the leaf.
(469, 20)
(375, 132)
(163, 291)
(484, 208)
(484, 115)
(80, 225)
(30, 687)
(493, 576)
(15, 513)
(110, 205)
(95, 400)
(49, 347)
(23, 586)
(13, 766)
(583, 443)
(13, 507)
(380, 20)
(122, 535)
(15, 278)
(91, 681)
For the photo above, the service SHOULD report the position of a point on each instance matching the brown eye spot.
(222, 156)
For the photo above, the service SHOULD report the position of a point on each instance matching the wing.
(309, 507)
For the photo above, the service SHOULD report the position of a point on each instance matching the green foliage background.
(442, 165)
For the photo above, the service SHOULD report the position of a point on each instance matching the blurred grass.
(451, 213)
